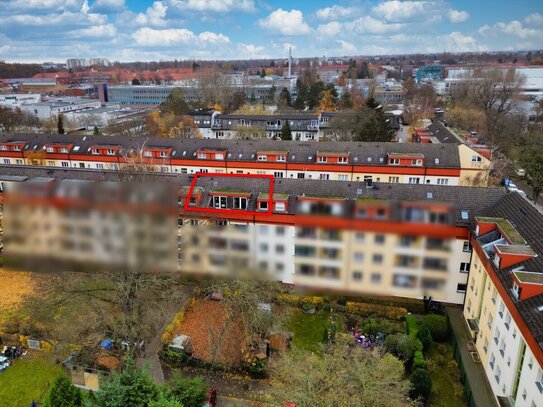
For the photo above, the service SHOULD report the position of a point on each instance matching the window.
(360, 237)
(278, 174)
(322, 159)
(50, 149)
(219, 156)
(442, 181)
(263, 205)
(110, 151)
(394, 180)
(464, 267)
(19, 161)
(201, 155)
(414, 180)
(379, 239)
(300, 175)
(240, 203)
(163, 154)
(342, 160)
(359, 257)
(394, 161)
(467, 246)
(281, 158)
(261, 157)
(416, 162)
(100, 166)
(147, 154)
(280, 249)
(219, 202)
(17, 148)
(342, 177)
(65, 163)
(324, 176)
(7, 161)
(485, 347)
(280, 206)
(377, 258)
(476, 158)
(376, 278)
(357, 275)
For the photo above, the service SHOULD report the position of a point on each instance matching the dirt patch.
(216, 336)
(14, 285)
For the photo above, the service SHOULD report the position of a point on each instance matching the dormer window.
(202, 155)
(147, 154)
(342, 160)
(16, 148)
(110, 151)
(280, 207)
(50, 150)
(516, 289)
(416, 162)
(281, 158)
(219, 156)
(394, 161)
(263, 205)
(163, 154)
(262, 158)
(63, 149)
(476, 158)
(322, 159)
(94, 151)
(240, 203)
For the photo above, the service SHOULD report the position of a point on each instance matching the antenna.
(289, 61)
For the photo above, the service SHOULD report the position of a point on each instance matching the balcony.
(216, 126)
(312, 127)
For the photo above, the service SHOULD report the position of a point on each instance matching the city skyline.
(125, 30)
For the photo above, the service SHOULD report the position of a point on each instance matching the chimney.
(289, 61)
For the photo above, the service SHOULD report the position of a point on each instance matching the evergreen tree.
(346, 101)
(284, 99)
(60, 124)
(63, 394)
(188, 392)
(136, 81)
(286, 132)
(175, 103)
(96, 132)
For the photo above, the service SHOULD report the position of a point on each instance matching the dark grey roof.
(528, 221)
(442, 133)
(291, 116)
(475, 201)
(361, 153)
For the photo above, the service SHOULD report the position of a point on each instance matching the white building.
(18, 99)
(54, 107)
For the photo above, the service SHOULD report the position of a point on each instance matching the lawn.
(308, 329)
(26, 380)
(446, 388)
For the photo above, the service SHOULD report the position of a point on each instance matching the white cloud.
(512, 28)
(284, 22)
(370, 25)
(148, 37)
(154, 15)
(217, 6)
(330, 29)
(346, 48)
(395, 10)
(458, 16)
(40, 5)
(251, 51)
(65, 18)
(534, 19)
(97, 31)
(335, 12)
(108, 6)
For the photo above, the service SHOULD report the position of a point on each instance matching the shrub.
(383, 311)
(437, 325)
(403, 346)
(425, 336)
(411, 325)
(63, 394)
(189, 392)
(418, 361)
(371, 326)
(421, 384)
(411, 304)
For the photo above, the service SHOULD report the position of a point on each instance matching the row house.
(504, 300)
(404, 163)
(395, 239)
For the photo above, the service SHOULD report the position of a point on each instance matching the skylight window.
(464, 214)
(429, 195)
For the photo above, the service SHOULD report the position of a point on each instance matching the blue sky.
(129, 30)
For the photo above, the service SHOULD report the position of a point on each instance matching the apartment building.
(504, 300)
(390, 239)
(53, 107)
(404, 163)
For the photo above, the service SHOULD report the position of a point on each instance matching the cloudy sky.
(128, 30)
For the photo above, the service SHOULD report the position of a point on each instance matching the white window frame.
(394, 161)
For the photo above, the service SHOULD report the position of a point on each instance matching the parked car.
(519, 172)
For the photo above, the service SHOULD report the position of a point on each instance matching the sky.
(146, 30)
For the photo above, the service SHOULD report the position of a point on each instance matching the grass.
(308, 329)
(27, 379)
(446, 388)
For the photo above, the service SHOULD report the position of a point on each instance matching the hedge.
(411, 325)
(437, 325)
(383, 311)
(301, 300)
(418, 361)
(410, 304)
(421, 384)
